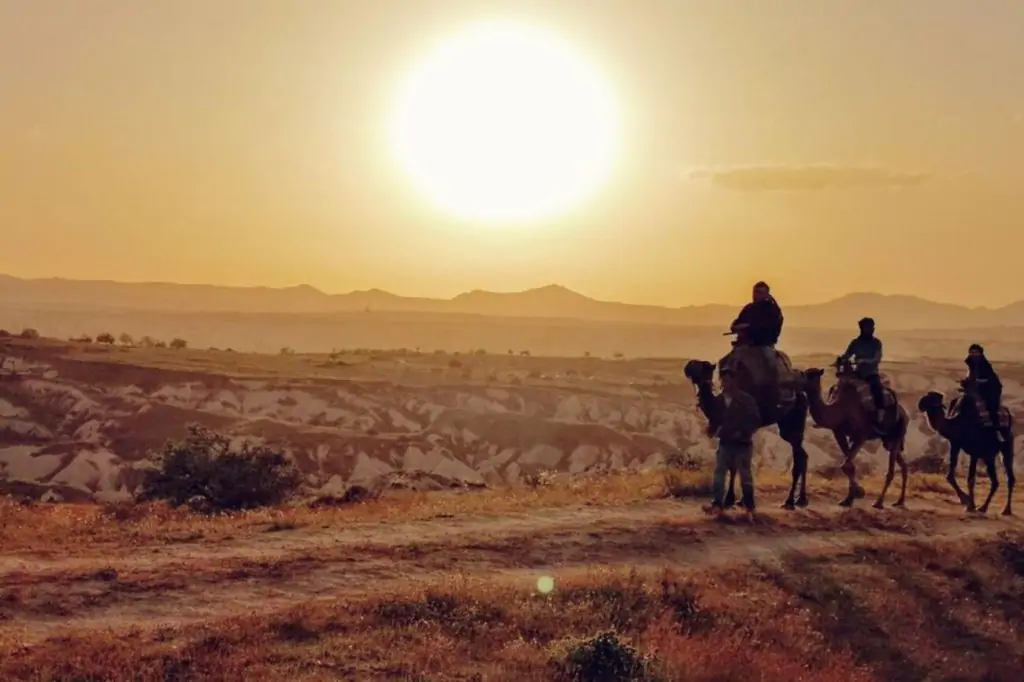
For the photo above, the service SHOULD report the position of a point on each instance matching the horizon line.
(262, 287)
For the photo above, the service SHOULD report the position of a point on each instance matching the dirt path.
(188, 583)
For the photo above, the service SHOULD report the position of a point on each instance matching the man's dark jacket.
(765, 319)
(980, 370)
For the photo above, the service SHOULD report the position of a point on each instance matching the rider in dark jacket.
(981, 375)
(758, 326)
(760, 321)
(867, 349)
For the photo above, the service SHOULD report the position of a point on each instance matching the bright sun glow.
(504, 122)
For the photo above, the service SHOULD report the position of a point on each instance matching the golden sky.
(826, 146)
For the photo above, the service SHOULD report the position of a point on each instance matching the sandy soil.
(197, 581)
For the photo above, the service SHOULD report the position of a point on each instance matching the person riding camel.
(866, 350)
(759, 326)
(983, 378)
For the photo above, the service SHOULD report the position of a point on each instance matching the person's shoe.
(714, 509)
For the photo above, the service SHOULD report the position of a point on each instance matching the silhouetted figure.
(740, 420)
(866, 351)
(983, 378)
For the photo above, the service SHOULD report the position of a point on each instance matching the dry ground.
(443, 587)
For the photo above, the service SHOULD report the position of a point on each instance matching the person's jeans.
(877, 390)
(739, 456)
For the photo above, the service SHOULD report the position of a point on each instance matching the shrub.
(179, 344)
(603, 659)
(29, 333)
(204, 472)
(126, 339)
(455, 363)
(105, 337)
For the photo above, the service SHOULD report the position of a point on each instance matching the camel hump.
(783, 361)
(767, 374)
(980, 412)
(864, 393)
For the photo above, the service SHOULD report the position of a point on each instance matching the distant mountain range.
(553, 301)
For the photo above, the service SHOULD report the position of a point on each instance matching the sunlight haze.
(826, 146)
(502, 124)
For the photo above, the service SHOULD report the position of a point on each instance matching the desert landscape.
(357, 341)
(439, 491)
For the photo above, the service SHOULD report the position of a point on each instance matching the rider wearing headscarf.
(983, 377)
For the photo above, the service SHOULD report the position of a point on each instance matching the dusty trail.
(188, 583)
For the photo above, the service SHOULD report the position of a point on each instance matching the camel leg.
(799, 464)
(972, 474)
(902, 462)
(804, 461)
(895, 457)
(791, 429)
(993, 477)
(1010, 478)
(850, 451)
(800, 459)
(889, 475)
(954, 458)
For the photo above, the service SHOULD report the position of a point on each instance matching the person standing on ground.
(740, 420)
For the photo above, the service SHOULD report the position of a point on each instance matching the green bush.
(204, 472)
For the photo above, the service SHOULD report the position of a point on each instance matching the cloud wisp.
(806, 178)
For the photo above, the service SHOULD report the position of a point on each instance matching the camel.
(964, 432)
(848, 414)
(791, 420)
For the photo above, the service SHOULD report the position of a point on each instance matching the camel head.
(813, 376)
(699, 371)
(930, 401)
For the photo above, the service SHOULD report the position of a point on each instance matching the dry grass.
(920, 611)
(91, 529)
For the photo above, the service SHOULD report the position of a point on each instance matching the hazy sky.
(827, 146)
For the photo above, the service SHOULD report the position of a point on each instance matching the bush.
(179, 344)
(105, 337)
(126, 339)
(205, 473)
(603, 659)
(29, 333)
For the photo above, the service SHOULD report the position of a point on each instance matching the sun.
(505, 122)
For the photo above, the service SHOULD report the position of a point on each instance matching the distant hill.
(553, 301)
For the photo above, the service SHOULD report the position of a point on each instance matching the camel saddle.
(889, 398)
(767, 374)
(981, 412)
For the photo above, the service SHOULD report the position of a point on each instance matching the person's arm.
(987, 373)
(742, 320)
(876, 354)
(751, 416)
(779, 319)
(714, 426)
(848, 353)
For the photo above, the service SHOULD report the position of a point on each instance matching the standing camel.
(849, 415)
(964, 431)
(790, 416)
